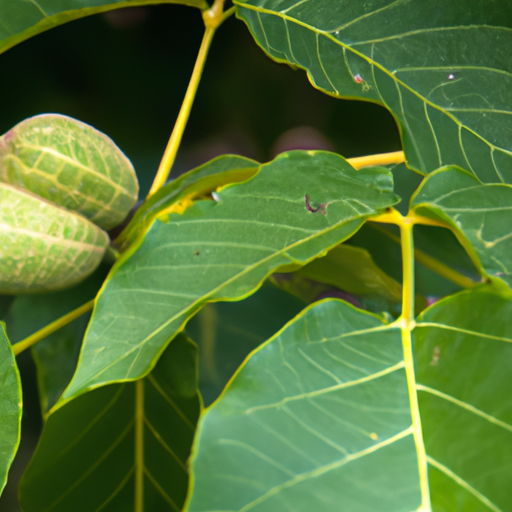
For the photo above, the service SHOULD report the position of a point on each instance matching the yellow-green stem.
(396, 157)
(407, 325)
(51, 328)
(431, 263)
(139, 446)
(213, 17)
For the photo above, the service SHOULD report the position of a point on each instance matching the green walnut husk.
(70, 164)
(42, 246)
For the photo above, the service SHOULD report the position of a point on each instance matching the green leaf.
(71, 164)
(429, 63)
(352, 269)
(227, 332)
(479, 215)
(312, 421)
(332, 429)
(55, 356)
(463, 373)
(10, 406)
(22, 20)
(121, 447)
(223, 251)
(190, 186)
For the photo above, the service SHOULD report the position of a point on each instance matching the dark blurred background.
(126, 72)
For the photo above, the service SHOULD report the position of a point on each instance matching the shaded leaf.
(227, 332)
(120, 443)
(332, 429)
(222, 251)
(71, 164)
(10, 406)
(21, 20)
(353, 270)
(56, 356)
(479, 214)
(427, 62)
(187, 188)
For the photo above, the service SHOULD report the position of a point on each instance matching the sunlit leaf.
(21, 20)
(321, 416)
(223, 251)
(480, 215)
(121, 447)
(191, 186)
(442, 69)
(10, 406)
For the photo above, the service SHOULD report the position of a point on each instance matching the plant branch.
(213, 17)
(396, 157)
(19, 347)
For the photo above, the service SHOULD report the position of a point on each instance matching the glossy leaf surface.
(122, 447)
(21, 20)
(428, 62)
(319, 418)
(71, 164)
(223, 251)
(10, 406)
(480, 214)
(311, 422)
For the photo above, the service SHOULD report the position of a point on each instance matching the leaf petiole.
(19, 347)
(397, 157)
(428, 261)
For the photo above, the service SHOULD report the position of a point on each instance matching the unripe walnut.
(61, 182)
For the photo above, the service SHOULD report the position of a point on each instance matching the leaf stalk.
(212, 18)
(19, 347)
(397, 157)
